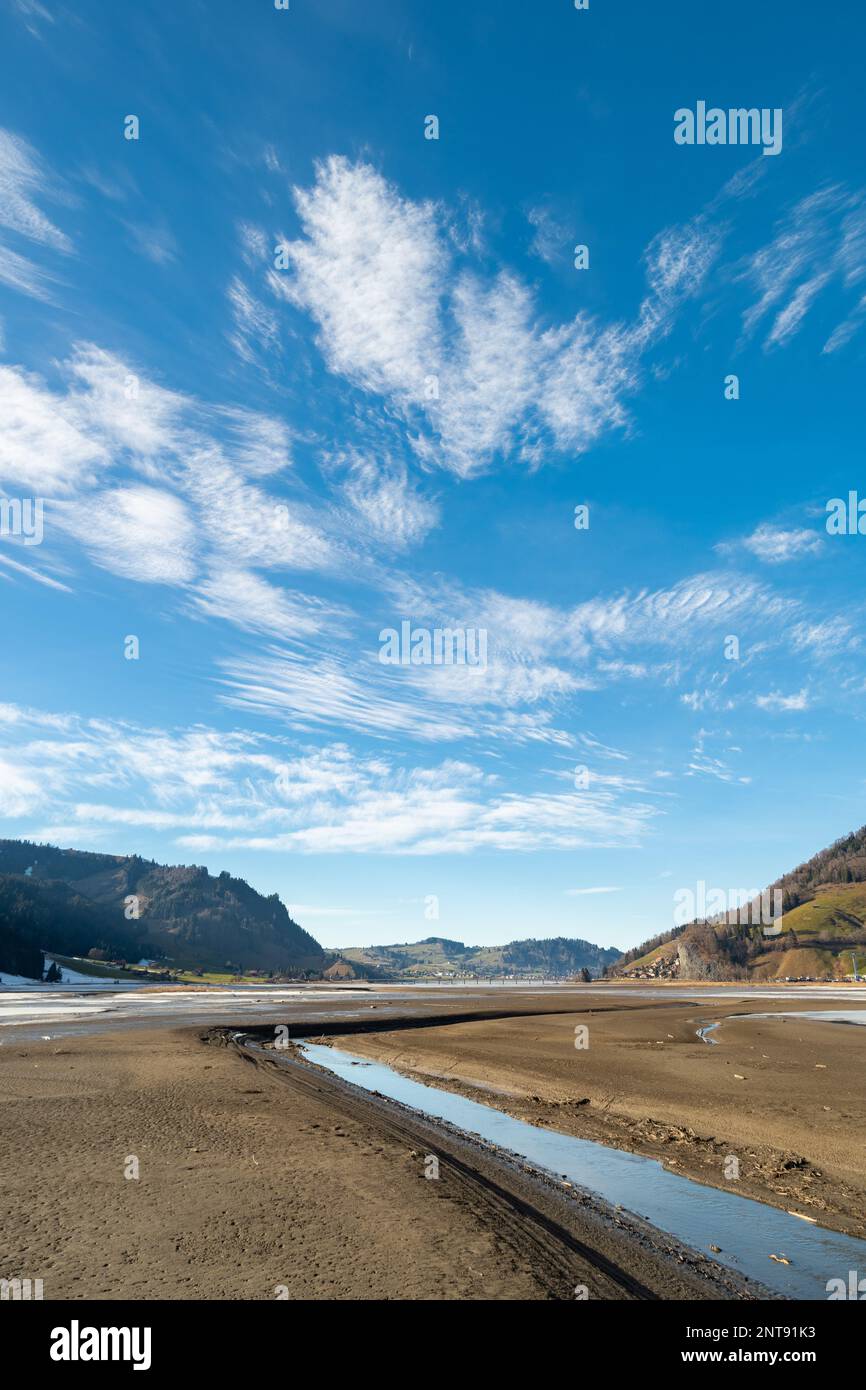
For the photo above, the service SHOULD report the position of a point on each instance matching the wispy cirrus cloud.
(19, 273)
(223, 790)
(708, 760)
(153, 240)
(33, 13)
(825, 636)
(466, 357)
(246, 599)
(382, 498)
(255, 326)
(370, 269)
(589, 892)
(24, 178)
(35, 574)
(143, 533)
(777, 702)
(44, 445)
(776, 545)
(345, 691)
(550, 241)
(156, 488)
(820, 239)
(200, 472)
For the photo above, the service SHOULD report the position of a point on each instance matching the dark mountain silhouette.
(72, 902)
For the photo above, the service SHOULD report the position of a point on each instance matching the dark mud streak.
(336, 1027)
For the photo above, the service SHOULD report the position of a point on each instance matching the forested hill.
(820, 933)
(73, 901)
(554, 957)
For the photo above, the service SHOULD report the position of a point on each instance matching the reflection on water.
(704, 1032)
(748, 1232)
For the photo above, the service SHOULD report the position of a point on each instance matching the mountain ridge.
(439, 955)
(823, 920)
(74, 902)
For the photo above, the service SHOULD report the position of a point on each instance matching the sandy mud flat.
(251, 1182)
(783, 1094)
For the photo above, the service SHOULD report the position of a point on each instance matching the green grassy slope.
(838, 910)
(815, 940)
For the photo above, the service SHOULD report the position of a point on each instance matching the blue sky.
(218, 344)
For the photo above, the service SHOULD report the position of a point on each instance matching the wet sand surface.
(248, 1184)
(252, 1181)
(242, 1188)
(784, 1096)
